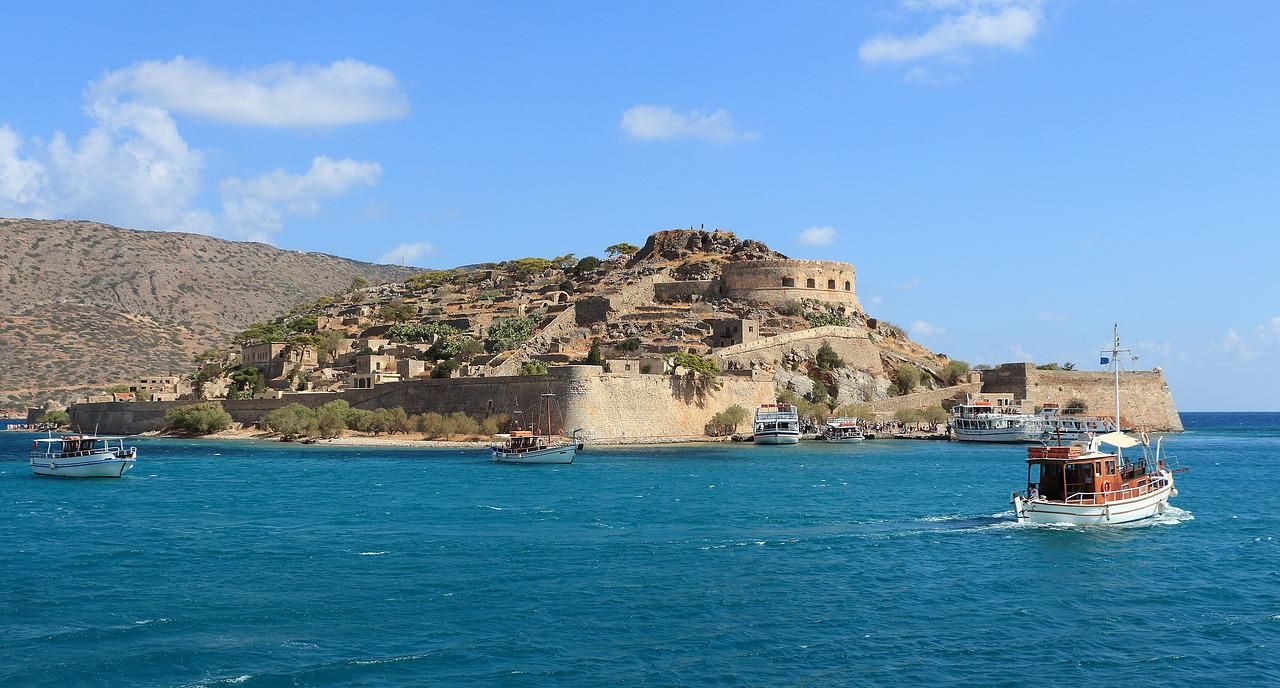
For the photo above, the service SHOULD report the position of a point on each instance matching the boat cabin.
(76, 445)
(1079, 475)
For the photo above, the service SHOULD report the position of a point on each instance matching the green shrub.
(595, 356)
(444, 369)
(905, 378)
(58, 418)
(827, 359)
(494, 424)
(505, 335)
(534, 367)
(955, 372)
(331, 418)
(935, 415)
(420, 332)
(293, 421)
(629, 344)
(198, 419)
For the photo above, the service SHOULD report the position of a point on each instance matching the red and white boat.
(1082, 484)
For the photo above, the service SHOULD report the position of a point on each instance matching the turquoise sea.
(886, 563)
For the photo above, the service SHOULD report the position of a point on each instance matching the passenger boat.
(81, 456)
(776, 424)
(1070, 427)
(979, 421)
(1082, 484)
(535, 445)
(845, 430)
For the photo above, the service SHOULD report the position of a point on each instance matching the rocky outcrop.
(677, 244)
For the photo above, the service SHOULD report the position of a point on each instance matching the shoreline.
(415, 440)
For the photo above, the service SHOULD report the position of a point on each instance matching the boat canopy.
(1118, 439)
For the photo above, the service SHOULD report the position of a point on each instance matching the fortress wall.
(619, 408)
(668, 292)
(776, 281)
(603, 405)
(850, 343)
(933, 397)
(1145, 399)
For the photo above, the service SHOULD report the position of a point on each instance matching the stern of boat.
(1019, 507)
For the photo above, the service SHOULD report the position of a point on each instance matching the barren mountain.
(88, 304)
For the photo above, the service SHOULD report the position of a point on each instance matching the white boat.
(776, 424)
(1069, 427)
(1081, 484)
(844, 430)
(979, 421)
(81, 456)
(528, 446)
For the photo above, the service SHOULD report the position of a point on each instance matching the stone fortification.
(778, 281)
(944, 396)
(605, 406)
(1145, 399)
(852, 344)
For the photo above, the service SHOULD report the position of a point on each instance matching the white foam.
(372, 554)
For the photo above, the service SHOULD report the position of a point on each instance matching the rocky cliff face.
(88, 304)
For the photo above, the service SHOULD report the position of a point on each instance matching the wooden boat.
(1082, 484)
(81, 456)
(522, 445)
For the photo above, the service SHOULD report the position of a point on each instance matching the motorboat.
(776, 424)
(844, 430)
(81, 456)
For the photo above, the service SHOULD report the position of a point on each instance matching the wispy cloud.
(875, 300)
(406, 254)
(283, 94)
(1049, 316)
(958, 28)
(1021, 354)
(662, 123)
(1269, 331)
(818, 236)
(909, 284)
(921, 328)
(255, 208)
(1234, 344)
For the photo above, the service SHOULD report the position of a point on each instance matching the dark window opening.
(810, 283)
(847, 286)
(831, 284)
(788, 282)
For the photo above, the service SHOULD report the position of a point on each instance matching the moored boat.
(535, 445)
(979, 421)
(844, 430)
(1069, 427)
(776, 424)
(81, 456)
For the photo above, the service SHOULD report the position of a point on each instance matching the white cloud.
(921, 328)
(133, 167)
(875, 300)
(277, 95)
(255, 208)
(661, 123)
(1020, 354)
(909, 284)
(406, 254)
(963, 26)
(818, 236)
(1049, 316)
(1269, 331)
(1233, 343)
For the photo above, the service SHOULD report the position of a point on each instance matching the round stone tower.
(780, 280)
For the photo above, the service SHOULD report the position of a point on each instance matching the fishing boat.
(81, 456)
(1085, 484)
(979, 421)
(535, 444)
(844, 430)
(776, 424)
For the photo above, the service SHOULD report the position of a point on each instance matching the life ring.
(1106, 487)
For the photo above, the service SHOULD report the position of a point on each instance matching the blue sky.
(1008, 176)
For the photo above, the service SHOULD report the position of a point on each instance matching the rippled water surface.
(885, 563)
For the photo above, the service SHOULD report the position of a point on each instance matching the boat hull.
(776, 438)
(1008, 435)
(84, 467)
(561, 455)
(1123, 511)
(844, 440)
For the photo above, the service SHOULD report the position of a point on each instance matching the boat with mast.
(536, 443)
(1085, 484)
(81, 456)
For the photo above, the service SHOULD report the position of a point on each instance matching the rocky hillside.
(88, 305)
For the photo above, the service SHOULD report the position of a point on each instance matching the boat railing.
(68, 455)
(1121, 494)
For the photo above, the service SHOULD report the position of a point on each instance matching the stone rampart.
(925, 399)
(777, 281)
(602, 405)
(1145, 399)
(851, 344)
